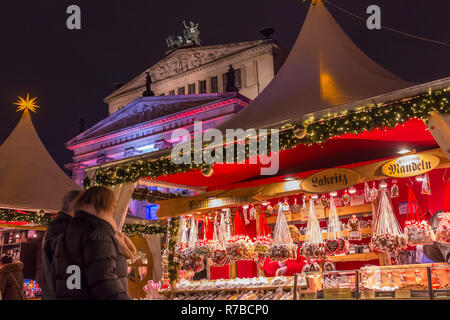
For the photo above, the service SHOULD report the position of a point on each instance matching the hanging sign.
(218, 202)
(409, 166)
(330, 180)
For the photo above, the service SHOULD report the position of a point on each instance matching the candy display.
(262, 245)
(443, 229)
(395, 192)
(283, 248)
(295, 207)
(187, 254)
(387, 242)
(311, 266)
(240, 247)
(417, 228)
(313, 250)
(426, 185)
(387, 235)
(419, 232)
(335, 244)
(314, 246)
(219, 255)
(205, 248)
(283, 251)
(31, 289)
(329, 266)
(219, 258)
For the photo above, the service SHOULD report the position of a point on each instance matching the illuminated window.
(181, 91)
(237, 80)
(202, 86)
(191, 88)
(214, 85)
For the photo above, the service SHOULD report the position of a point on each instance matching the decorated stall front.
(359, 201)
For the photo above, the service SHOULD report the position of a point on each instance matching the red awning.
(347, 150)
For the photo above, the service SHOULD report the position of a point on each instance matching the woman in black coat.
(89, 261)
(11, 279)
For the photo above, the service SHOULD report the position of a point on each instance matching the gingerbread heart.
(332, 246)
(341, 245)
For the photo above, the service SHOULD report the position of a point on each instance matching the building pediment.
(147, 109)
(183, 60)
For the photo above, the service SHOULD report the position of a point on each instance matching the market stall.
(31, 188)
(362, 165)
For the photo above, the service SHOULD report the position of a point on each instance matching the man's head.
(68, 201)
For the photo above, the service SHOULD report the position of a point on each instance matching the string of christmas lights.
(173, 265)
(312, 131)
(41, 219)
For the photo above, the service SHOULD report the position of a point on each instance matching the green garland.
(173, 266)
(143, 229)
(356, 121)
(30, 217)
(43, 220)
(151, 196)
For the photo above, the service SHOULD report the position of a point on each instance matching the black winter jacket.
(90, 244)
(56, 228)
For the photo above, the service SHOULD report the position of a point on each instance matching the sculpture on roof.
(192, 33)
(190, 36)
(148, 82)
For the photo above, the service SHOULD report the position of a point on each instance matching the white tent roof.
(29, 177)
(324, 69)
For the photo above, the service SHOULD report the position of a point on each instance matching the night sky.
(72, 71)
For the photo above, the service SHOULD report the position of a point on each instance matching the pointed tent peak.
(30, 178)
(324, 69)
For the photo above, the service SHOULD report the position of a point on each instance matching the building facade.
(201, 70)
(188, 85)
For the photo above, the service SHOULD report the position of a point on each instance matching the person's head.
(5, 259)
(97, 200)
(68, 201)
(295, 234)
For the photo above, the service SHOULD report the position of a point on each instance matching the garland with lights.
(38, 218)
(151, 196)
(312, 131)
(172, 233)
(143, 229)
(41, 219)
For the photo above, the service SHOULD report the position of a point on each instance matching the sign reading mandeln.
(409, 166)
(330, 180)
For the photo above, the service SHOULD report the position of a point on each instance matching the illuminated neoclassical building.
(189, 84)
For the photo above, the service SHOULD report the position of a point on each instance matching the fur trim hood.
(11, 267)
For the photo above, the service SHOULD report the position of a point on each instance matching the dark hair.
(5, 259)
(101, 198)
(68, 200)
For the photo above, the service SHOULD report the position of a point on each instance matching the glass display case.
(422, 281)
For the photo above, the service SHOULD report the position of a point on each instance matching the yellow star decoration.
(26, 104)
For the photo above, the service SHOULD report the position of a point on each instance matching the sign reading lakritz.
(330, 180)
(409, 166)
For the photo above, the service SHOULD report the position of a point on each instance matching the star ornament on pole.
(27, 104)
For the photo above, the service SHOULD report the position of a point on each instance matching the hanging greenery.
(173, 266)
(41, 219)
(356, 121)
(151, 196)
(143, 229)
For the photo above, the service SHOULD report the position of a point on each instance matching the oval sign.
(330, 180)
(409, 166)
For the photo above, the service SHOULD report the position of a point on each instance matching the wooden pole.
(123, 193)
